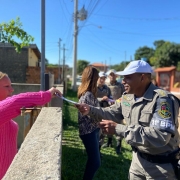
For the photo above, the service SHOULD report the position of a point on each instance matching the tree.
(144, 52)
(121, 66)
(167, 54)
(158, 43)
(81, 64)
(14, 29)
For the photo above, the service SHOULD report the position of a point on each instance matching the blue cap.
(137, 66)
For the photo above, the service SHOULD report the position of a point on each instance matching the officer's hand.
(107, 126)
(112, 102)
(105, 98)
(54, 92)
(83, 108)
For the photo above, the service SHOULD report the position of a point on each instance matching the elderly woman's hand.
(54, 92)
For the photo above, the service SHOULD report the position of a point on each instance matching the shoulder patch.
(164, 110)
(161, 92)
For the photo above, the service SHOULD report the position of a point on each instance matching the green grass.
(74, 157)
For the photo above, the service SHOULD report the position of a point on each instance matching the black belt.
(160, 159)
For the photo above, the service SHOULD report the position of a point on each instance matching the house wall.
(32, 58)
(22, 67)
(33, 74)
(13, 63)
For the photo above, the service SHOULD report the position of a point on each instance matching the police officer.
(103, 91)
(104, 97)
(117, 90)
(151, 115)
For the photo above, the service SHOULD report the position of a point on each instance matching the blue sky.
(125, 25)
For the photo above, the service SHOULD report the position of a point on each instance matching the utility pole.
(63, 66)
(75, 46)
(59, 44)
(42, 44)
(81, 15)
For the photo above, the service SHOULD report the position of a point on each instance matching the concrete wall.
(40, 154)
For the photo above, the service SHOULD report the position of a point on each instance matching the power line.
(110, 48)
(141, 19)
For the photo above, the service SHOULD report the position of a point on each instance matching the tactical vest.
(101, 94)
(116, 90)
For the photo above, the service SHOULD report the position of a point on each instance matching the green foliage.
(165, 54)
(121, 66)
(74, 156)
(158, 43)
(144, 52)
(178, 66)
(81, 64)
(52, 65)
(14, 29)
(153, 61)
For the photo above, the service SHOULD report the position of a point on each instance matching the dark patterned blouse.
(86, 123)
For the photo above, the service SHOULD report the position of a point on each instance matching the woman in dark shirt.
(88, 127)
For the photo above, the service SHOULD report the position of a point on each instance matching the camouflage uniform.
(151, 130)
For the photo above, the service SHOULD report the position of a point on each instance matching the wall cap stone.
(39, 157)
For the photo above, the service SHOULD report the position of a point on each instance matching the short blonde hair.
(2, 75)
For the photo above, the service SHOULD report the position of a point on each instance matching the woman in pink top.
(10, 108)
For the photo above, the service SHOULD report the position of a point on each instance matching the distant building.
(100, 66)
(15, 64)
(25, 67)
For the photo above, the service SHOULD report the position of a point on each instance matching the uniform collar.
(149, 94)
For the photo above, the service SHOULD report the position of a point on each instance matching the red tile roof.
(99, 64)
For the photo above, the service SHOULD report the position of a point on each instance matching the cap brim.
(108, 73)
(102, 76)
(122, 73)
